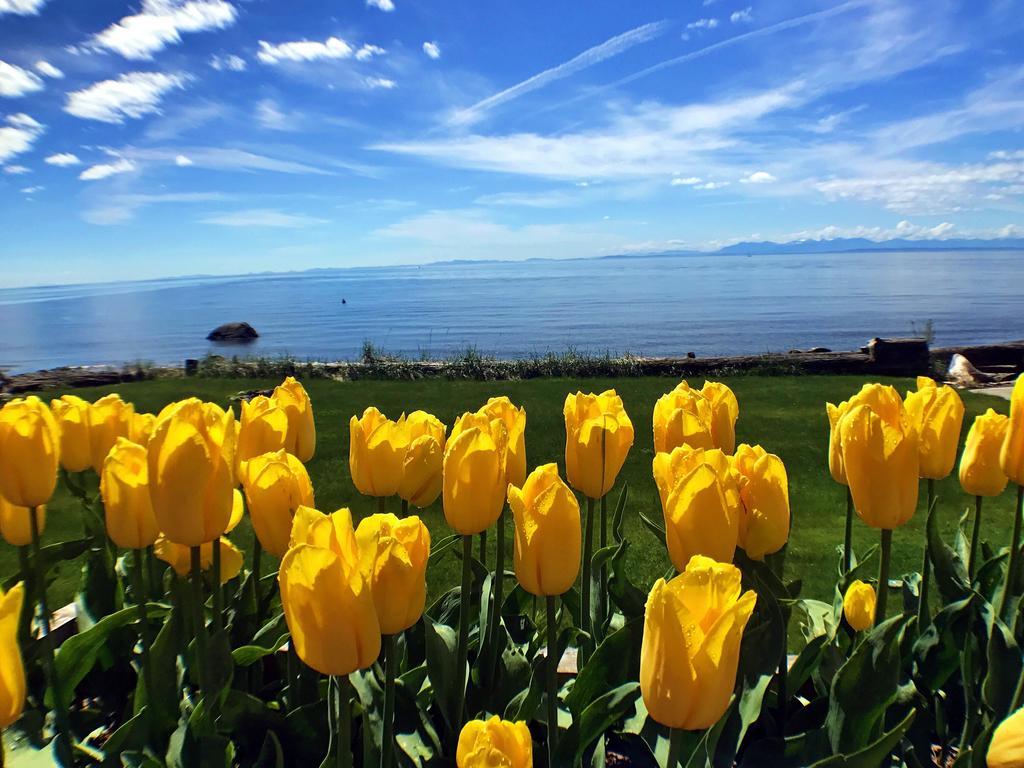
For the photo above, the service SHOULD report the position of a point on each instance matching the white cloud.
(182, 161)
(63, 159)
(550, 199)
(32, 190)
(230, 63)
(18, 135)
(710, 23)
(745, 16)
(688, 181)
(117, 209)
(385, 5)
(263, 217)
(15, 81)
(758, 177)
(21, 7)
(712, 185)
(1003, 154)
(47, 69)
(367, 52)
(16, 170)
(270, 116)
(381, 82)
(905, 230)
(130, 96)
(161, 23)
(432, 49)
(304, 50)
(103, 170)
(830, 122)
(226, 159)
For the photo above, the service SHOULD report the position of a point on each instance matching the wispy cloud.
(63, 159)
(384, 5)
(228, 63)
(130, 96)
(161, 23)
(21, 7)
(16, 170)
(314, 50)
(758, 177)
(263, 217)
(46, 69)
(120, 208)
(105, 170)
(432, 49)
(18, 134)
(381, 82)
(744, 16)
(15, 81)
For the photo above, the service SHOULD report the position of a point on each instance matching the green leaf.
(656, 528)
(615, 662)
(438, 548)
(163, 662)
(937, 650)
(1004, 667)
(131, 736)
(596, 719)
(874, 754)
(950, 573)
(442, 667)
(271, 755)
(247, 655)
(220, 667)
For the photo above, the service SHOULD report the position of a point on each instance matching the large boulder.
(233, 332)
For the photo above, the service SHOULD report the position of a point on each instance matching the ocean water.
(658, 305)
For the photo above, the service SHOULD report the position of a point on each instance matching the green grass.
(786, 414)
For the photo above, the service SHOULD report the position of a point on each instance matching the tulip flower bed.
(679, 541)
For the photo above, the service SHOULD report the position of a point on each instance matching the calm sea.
(659, 305)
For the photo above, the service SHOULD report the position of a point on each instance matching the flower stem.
(387, 741)
(972, 561)
(405, 508)
(343, 722)
(483, 547)
(462, 649)
(552, 678)
(924, 617)
(588, 551)
(603, 595)
(883, 576)
(1011, 568)
(675, 746)
(848, 538)
(498, 595)
(198, 618)
(28, 607)
(218, 589)
(382, 504)
(138, 586)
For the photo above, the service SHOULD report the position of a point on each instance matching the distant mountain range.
(846, 244)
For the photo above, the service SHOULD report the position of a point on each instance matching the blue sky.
(168, 137)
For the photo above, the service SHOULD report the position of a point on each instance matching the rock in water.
(233, 332)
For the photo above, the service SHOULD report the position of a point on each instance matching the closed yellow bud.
(937, 414)
(191, 478)
(141, 428)
(859, 605)
(884, 400)
(835, 448)
(179, 557)
(292, 398)
(881, 463)
(312, 577)
(1011, 457)
(683, 417)
(596, 426)
(764, 526)
(16, 525)
(124, 486)
(394, 554)
(276, 485)
(980, 471)
(699, 519)
(474, 482)
(693, 626)
(72, 416)
(670, 468)
(494, 743)
(29, 452)
(376, 452)
(263, 428)
(725, 410)
(420, 484)
(1006, 750)
(110, 417)
(548, 532)
(12, 671)
(237, 510)
(515, 422)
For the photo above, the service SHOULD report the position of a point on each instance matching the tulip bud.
(859, 605)
(141, 428)
(292, 398)
(72, 416)
(29, 452)
(693, 626)
(12, 670)
(495, 742)
(683, 417)
(179, 557)
(237, 510)
(262, 429)
(835, 448)
(515, 422)
(670, 468)
(394, 554)
(276, 485)
(110, 417)
(16, 525)
(376, 452)
(191, 457)
(881, 463)
(420, 484)
(937, 413)
(980, 471)
(725, 410)
(884, 400)
(596, 427)
(474, 482)
(1006, 750)
(346, 637)
(699, 519)
(1011, 457)
(548, 533)
(764, 528)
(124, 486)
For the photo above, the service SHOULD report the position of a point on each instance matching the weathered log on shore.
(69, 378)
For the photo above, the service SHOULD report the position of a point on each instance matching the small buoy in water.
(344, 302)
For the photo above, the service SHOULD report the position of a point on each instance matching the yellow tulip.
(191, 478)
(859, 605)
(937, 414)
(12, 671)
(72, 416)
(29, 452)
(725, 410)
(263, 428)
(670, 468)
(124, 486)
(881, 463)
(346, 637)
(494, 743)
(515, 422)
(276, 485)
(548, 533)
(141, 428)
(179, 557)
(683, 417)
(764, 527)
(693, 626)
(1011, 457)
(835, 448)
(1006, 750)
(16, 525)
(980, 471)
(595, 426)
(883, 400)
(376, 452)
(237, 510)
(699, 519)
(110, 417)
(301, 441)
(420, 484)
(394, 554)
(473, 479)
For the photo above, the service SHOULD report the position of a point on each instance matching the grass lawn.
(784, 414)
